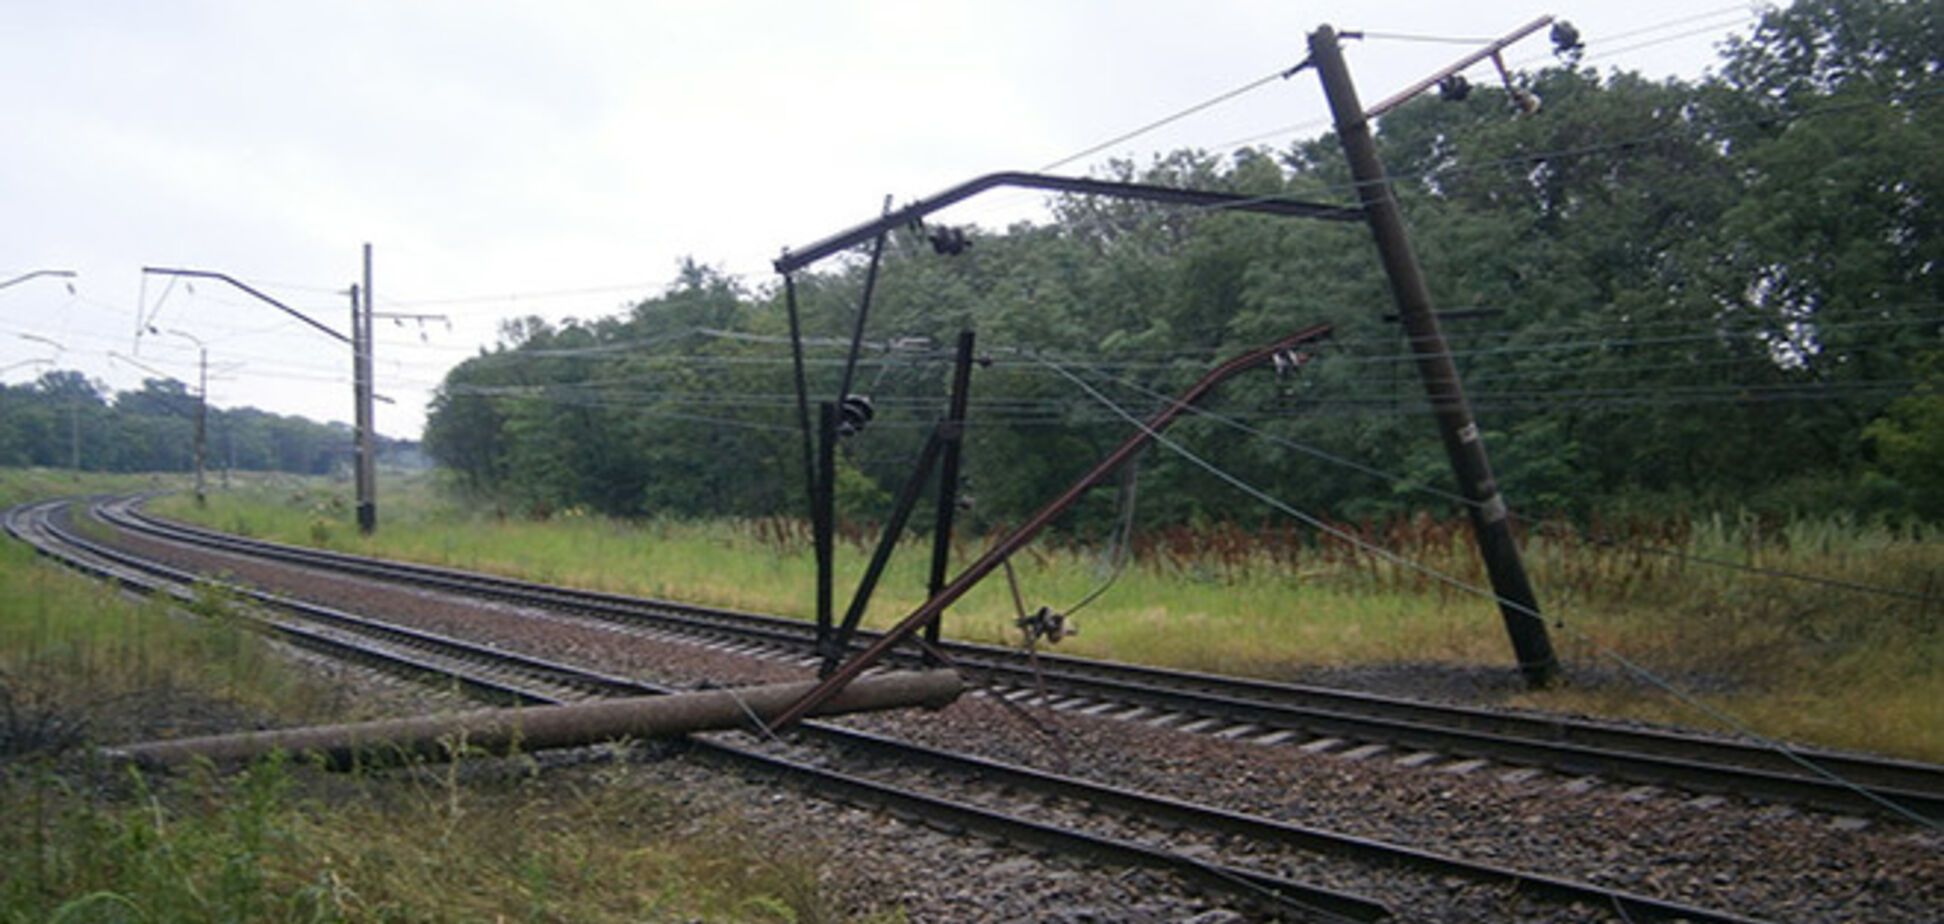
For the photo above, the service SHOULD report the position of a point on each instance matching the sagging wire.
(986, 683)
(144, 323)
(1120, 547)
(1177, 116)
(1041, 623)
(762, 727)
(1057, 625)
(1414, 37)
(1542, 522)
(1740, 11)
(1395, 36)
(1641, 672)
(1029, 644)
(141, 300)
(1608, 337)
(1728, 18)
(1625, 145)
(1620, 909)
(521, 296)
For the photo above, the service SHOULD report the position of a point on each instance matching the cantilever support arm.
(1491, 50)
(224, 277)
(36, 274)
(791, 261)
(998, 554)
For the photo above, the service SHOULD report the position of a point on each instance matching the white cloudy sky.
(559, 158)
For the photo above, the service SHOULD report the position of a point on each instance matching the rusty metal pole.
(948, 477)
(823, 522)
(502, 731)
(907, 500)
(802, 392)
(1518, 606)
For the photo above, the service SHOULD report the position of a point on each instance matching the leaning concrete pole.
(1466, 449)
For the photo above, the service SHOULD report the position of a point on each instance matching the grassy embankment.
(80, 663)
(1799, 661)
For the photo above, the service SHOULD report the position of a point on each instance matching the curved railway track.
(953, 790)
(1431, 735)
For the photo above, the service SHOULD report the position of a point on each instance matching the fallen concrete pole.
(533, 728)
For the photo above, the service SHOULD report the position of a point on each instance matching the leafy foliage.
(1670, 288)
(65, 420)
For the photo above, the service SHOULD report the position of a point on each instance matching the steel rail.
(1286, 834)
(1271, 891)
(1244, 882)
(1568, 745)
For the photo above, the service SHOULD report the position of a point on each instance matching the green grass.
(277, 843)
(77, 649)
(82, 664)
(18, 485)
(79, 655)
(1798, 661)
(281, 843)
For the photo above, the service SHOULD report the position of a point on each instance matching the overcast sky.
(560, 158)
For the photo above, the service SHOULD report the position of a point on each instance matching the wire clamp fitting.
(1045, 623)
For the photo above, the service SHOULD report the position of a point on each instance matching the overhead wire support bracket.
(944, 445)
(887, 543)
(1491, 50)
(794, 260)
(949, 496)
(246, 287)
(420, 317)
(36, 274)
(996, 556)
(863, 310)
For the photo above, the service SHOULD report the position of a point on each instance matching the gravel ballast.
(1763, 861)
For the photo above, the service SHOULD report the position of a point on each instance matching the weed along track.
(1289, 801)
(1434, 738)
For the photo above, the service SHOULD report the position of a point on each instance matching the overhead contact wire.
(1164, 121)
(1422, 488)
(1653, 679)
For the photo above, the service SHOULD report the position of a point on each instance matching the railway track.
(1258, 859)
(1359, 725)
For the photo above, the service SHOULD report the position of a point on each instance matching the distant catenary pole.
(367, 462)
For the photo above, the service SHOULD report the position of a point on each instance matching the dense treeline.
(1724, 292)
(63, 419)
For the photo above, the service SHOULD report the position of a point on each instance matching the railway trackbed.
(1285, 868)
(1430, 735)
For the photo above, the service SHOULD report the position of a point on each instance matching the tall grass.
(1797, 660)
(278, 843)
(79, 657)
(80, 663)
